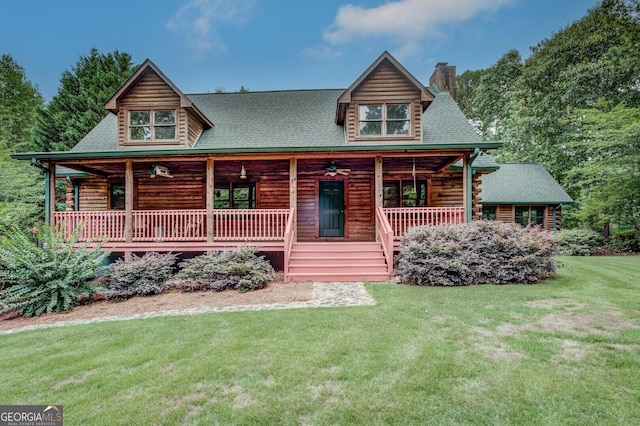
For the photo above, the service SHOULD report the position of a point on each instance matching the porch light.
(243, 173)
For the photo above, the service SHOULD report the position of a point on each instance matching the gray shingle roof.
(444, 122)
(270, 119)
(287, 119)
(522, 183)
(101, 138)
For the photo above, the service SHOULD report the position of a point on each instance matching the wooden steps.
(337, 261)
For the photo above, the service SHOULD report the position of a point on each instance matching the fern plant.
(46, 272)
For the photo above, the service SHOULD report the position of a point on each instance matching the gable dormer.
(153, 113)
(384, 105)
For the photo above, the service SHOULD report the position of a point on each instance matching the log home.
(328, 180)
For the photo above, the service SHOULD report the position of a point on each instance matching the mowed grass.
(566, 351)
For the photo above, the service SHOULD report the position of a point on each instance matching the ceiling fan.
(333, 170)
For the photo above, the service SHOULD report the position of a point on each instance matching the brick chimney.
(444, 78)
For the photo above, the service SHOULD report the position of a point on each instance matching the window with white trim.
(384, 120)
(152, 125)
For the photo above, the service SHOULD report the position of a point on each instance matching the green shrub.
(479, 252)
(578, 242)
(626, 240)
(45, 272)
(238, 269)
(142, 276)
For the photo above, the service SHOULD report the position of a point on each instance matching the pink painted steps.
(337, 261)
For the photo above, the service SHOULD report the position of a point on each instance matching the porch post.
(128, 206)
(50, 191)
(293, 192)
(378, 191)
(467, 199)
(209, 197)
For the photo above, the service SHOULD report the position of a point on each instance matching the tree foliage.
(572, 106)
(20, 101)
(79, 104)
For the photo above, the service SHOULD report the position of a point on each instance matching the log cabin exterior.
(329, 180)
(524, 193)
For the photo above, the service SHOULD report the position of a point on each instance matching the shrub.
(45, 272)
(142, 276)
(578, 242)
(479, 252)
(626, 240)
(238, 269)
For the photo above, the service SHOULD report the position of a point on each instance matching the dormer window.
(384, 120)
(152, 125)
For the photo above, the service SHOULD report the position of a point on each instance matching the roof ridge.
(265, 91)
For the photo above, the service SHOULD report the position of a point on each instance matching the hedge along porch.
(304, 173)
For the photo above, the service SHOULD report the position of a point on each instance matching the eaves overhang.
(71, 155)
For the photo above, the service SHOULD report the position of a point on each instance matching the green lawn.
(563, 352)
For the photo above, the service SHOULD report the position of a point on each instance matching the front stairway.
(337, 261)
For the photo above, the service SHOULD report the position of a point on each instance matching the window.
(235, 196)
(116, 196)
(530, 215)
(410, 196)
(152, 125)
(384, 120)
(489, 212)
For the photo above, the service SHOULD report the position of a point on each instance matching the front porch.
(269, 230)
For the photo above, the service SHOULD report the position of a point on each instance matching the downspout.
(469, 206)
(47, 190)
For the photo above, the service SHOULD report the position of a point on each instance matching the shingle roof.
(270, 119)
(444, 122)
(287, 119)
(522, 183)
(103, 137)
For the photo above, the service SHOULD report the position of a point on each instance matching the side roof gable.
(345, 99)
(522, 183)
(149, 67)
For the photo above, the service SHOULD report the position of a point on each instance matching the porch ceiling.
(141, 167)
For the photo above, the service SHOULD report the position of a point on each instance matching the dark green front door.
(331, 208)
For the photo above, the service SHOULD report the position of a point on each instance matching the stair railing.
(289, 238)
(386, 237)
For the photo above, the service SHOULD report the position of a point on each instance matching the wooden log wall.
(194, 130)
(183, 191)
(446, 189)
(359, 216)
(477, 197)
(505, 213)
(94, 194)
(151, 92)
(385, 84)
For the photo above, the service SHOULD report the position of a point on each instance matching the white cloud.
(198, 21)
(405, 22)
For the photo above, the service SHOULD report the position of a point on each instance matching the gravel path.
(327, 295)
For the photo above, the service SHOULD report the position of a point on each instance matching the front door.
(331, 208)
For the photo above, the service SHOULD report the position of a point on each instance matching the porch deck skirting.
(188, 228)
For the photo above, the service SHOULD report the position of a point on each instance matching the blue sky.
(202, 45)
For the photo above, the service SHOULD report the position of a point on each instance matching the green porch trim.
(184, 152)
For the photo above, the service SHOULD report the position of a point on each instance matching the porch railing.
(96, 224)
(403, 218)
(177, 225)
